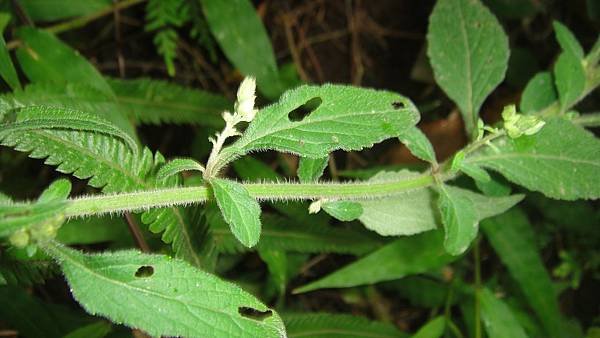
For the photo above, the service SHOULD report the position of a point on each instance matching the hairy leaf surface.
(418, 144)
(311, 169)
(569, 77)
(140, 291)
(459, 217)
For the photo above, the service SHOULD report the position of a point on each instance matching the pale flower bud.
(315, 207)
(245, 99)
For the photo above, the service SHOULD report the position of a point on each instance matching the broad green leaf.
(561, 161)
(469, 52)
(569, 77)
(497, 317)
(432, 329)
(176, 166)
(7, 68)
(325, 325)
(414, 211)
(151, 101)
(47, 118)
(311, 169)
(95, 330)
(244, 41)
(418, 144)
(513, 240)
(51, 10)
(405, 256)
(347, 118)
(459, 217)
(539, 93)
(240, 210)
(280, 233)
(92, 230)
(140, 291)
(343, 210)
(567, 41)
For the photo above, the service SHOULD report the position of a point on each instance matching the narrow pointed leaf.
(140, 291)
(7, 68)
(240, 210)
(468, 51)
(569, 77)
(418, 144)
(325, 325)
(432, 329)
(561, 161)
(343, 210)
(498, 319)
(176, 166)
(539, 93)
(348, 118)
(311, 169)
(459, 217)
(567, 41)
(52, 10)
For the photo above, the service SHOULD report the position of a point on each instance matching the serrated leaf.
(326, 325)
(569, 77)
(311, 169)
(418, 144)
(240, 210)
(561, 161)
(244, 41)
(469, 52)
(432, 329)
(345, 211)
(567, 41)
(402, 257)
(539, 93)
(7, 68)
(512, 238)
(459, 217)
(498, 319)
(348, 118)
(139, 290)
(152, 101)
(176, 166)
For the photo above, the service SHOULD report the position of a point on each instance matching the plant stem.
(101, 204)
(588, 120)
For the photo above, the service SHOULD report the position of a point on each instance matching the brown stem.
(136, 233)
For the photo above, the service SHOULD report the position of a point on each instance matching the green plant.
(83, 124)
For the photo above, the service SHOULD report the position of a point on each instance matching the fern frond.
(110, 165)
(152, 101)
(164, 16)
(279, 233)
(336, 325)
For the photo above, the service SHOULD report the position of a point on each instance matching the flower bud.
(244, 106)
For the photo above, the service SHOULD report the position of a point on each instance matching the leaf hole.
(398, 105)
(255, 314)
(144, 271)
(304, 110)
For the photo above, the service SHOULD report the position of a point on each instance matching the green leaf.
(561, 161)
(347, 118)
(92, 230)
(151, 101)
(469, 52)
(244, 41)
(343, 210)
(311, 169)
(539, 93)
(325, 325)
(569, 77)
(280, 233)
(567, 41)
(402, 257)
(139, 290)
(459, 217)
(176, 166)
(7, 69)
(475, 172)
(277, 264)
(418, 144)
(432, 329)
(498, 319)
(95, 330)
(51, 10)
(512, 238)
(240, 210)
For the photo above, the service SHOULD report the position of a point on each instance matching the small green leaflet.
(139, 290)
(432, 329)
(539, 93)
(468, 51)
(176, 166)
(239, 209)
(567, 41)
(244, 41)
(418, 144)
(343, 210)
(459, 217)
(498, 319)
(348, 118)
(513, 239)
(402, 257)
(311, 169)
(329, 325)
(569, 77)
(561, 161)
